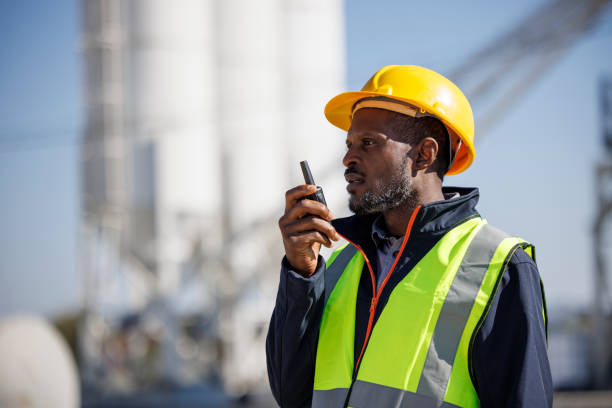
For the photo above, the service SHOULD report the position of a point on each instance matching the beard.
(386, 195)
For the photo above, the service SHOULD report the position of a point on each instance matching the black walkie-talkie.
(318, 195)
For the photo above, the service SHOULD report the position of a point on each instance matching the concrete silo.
(198, 113)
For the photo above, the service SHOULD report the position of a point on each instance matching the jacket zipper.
(375, 294)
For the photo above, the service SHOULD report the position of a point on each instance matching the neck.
(397, 219)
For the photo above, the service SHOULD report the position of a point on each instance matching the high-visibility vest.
(418, 353)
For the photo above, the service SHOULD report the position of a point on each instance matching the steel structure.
(497, 76)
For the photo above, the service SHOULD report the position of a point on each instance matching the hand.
(305, 227)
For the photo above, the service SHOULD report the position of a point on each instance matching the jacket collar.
(434, 217)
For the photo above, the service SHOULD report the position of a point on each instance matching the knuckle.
(319, 222)
(290, 214)
(311, 218)
(284, 221)
(311, 206)
(301, 209)
(291, 192)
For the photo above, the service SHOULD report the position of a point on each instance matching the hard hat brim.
(339, 109)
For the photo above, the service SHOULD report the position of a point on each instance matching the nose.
(349, 158)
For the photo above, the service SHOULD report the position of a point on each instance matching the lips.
(353, 179)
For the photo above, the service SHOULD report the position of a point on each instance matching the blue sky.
(40, 119)
(535, 171)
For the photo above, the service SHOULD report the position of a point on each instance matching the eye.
(367, 142)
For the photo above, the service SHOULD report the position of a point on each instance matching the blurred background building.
(190, 124)
(190, 138)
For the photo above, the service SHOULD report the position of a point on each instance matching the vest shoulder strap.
(334, 271)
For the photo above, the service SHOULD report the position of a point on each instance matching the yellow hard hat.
(429, 92)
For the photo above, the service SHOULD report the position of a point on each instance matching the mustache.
(352, 170)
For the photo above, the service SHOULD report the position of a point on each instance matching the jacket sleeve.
(293, 334)
(510, 360)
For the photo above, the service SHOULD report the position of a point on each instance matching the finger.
(309, 207)
(307, 238)
(312, 223)
(293, 196)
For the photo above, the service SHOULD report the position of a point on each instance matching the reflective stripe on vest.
(418, 353)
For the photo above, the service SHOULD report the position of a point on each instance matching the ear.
(427, 151)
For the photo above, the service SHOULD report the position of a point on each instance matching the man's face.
(378, 164)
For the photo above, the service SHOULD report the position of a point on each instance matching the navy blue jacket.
(509, 358)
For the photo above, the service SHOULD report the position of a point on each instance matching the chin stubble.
(395, 193)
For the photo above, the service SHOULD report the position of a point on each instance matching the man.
(427, 305)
